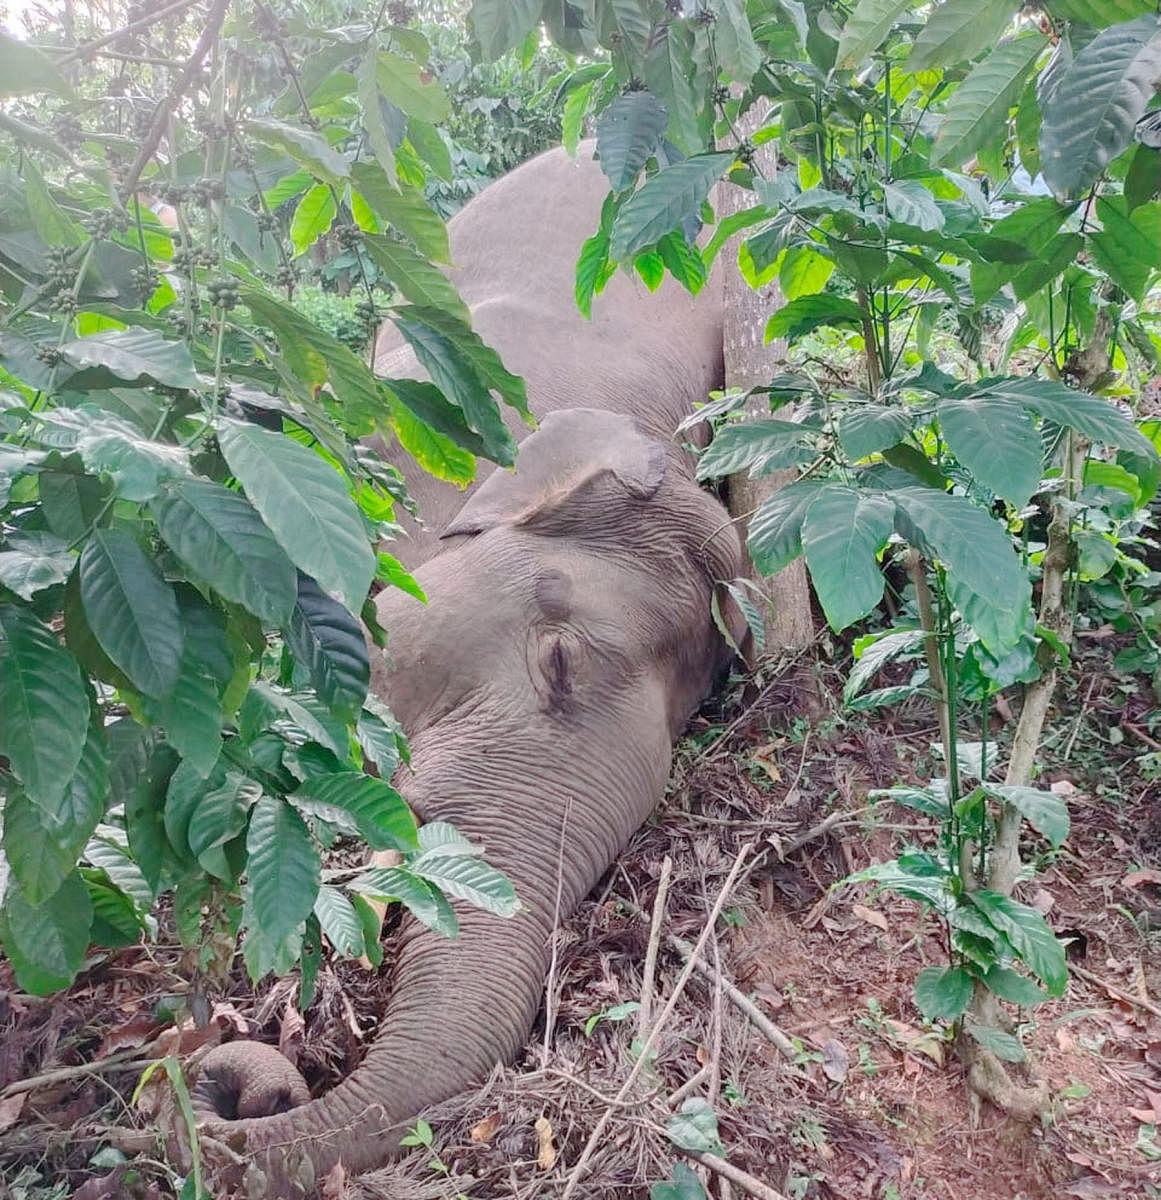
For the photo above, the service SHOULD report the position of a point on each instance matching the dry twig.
(654, 942)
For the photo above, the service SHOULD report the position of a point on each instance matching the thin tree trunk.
(750, 363)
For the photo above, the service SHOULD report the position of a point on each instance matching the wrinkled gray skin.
(566, 643)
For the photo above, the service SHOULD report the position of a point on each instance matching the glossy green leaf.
(804, 271)
(219, 535)
(501, 24)
(1143, 178)
(629, 133)
(842, 532)
(305, 502)
(434, 451)
(312, 218)
(682, 1184)
(395, 884)
(873, 651)
(871, 427)
(411, 88)
(39, 858)
(415, 277)
(31, 562)
(339, 921)
(467, 878)
(1126, 245)
(404, 208)
(1045, 811)
(131, 610)
(910, 203)
(958, 30)
(46, 943)
(664, 201)
(1099, 13)
(594, 269)
(1030, 936)
(572, 119)
(1005, 1046)
(1090, 115)
(126, 356)
(375, 115)
(808, 313)
(381, 813)
(324, 636)
(775, 537)
(305, 146)
(145, 816)
(984, 99)
(1016, 989)
(866, 29)
(995, 439)
(755, 446)
(137, 465)
(282, 871)
(943, 993)
(44, 704)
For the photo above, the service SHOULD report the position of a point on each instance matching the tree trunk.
(750, 363)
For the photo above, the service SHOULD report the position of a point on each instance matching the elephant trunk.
(460, 1006)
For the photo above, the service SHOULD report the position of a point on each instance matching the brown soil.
(874, 1105)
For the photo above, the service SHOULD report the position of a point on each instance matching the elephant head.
(566, 642)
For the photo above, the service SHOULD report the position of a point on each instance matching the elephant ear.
(570, 455)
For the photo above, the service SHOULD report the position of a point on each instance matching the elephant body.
(566, 642)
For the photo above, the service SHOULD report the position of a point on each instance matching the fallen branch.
(643, 1056)
(1117, 993)
(736, 1175)
(654, 942)
(125, 1061)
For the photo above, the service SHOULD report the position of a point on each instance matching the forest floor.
(867, 1100)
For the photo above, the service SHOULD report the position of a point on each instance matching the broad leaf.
(842, 532)
(1029, 934)
(808, 313)
(943, 993)
(31, 562)
(1045, 811)
(629, 133)
(910, 203)
(756, 446)
(501, 24)
(340, 923)
(1016, 989)
(404, 208)
(44, 704)
(312, 218)
(468, 878)
(664, 201)
(734, 45)
(329, 642)
(219, 535)
(804, 271)
(126, 356)
(1123, 248)
(380, 812)
(874, 651)
(305, 502)
(871, 427)
(996, 440)
(305, 146)
(958, 30)
(866, 29)
(411, 88)
(39, 858)
(24, 69)
(131, 610)
(282, 872)
(376, 116)
(984, 99)
(775, 537)
(1005, 1046)
(1090, 115)
(435, 452)
(695, 1127)
(415, 277)
(46, 944)
(1089, 415)
(396, 884)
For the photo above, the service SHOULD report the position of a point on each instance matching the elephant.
(566, 641)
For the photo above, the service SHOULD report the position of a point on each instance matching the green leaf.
(404, 208)
(1122, 248)
(734, 45)
(842, 532)
(46, 943)
(804, 271)
(695, 1127)
(467, 878)
(572, 120)
(808, 313)
(958, 30)
(380, 738)
(984, 99)
(218, 534)
(1005, 1046)
(775, 537)
(1099, 13)
(313, 217)
(873, 651)
(682, 1184)
(71, 503)
(910, 203)
(126, 356)
(219, 817)
(866, 29)
(498, 25)
(304, 501)
(145, 816)
(593, 270)
(629, 133)
(110, 446)
(415, 277)
(44, 704)
(264, 954)
(1091, 416)
(1029, 934)
(305, 146)
(380, 812)
(1143, 178)
(25, 69)
(411, 89)
(49, 220)
(282, 871)
(340, 922)
(131, 610)
(329, 642)
(375, 117)
(1045, 811)
(995, 439)
(664, 201)
(39, 858)
(1090, 115)
(974, 548)
(757, 446)
(435, 452)
(1016, 989)
(34, 561)
(871, 427)
(398, 885)
(943, 993)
